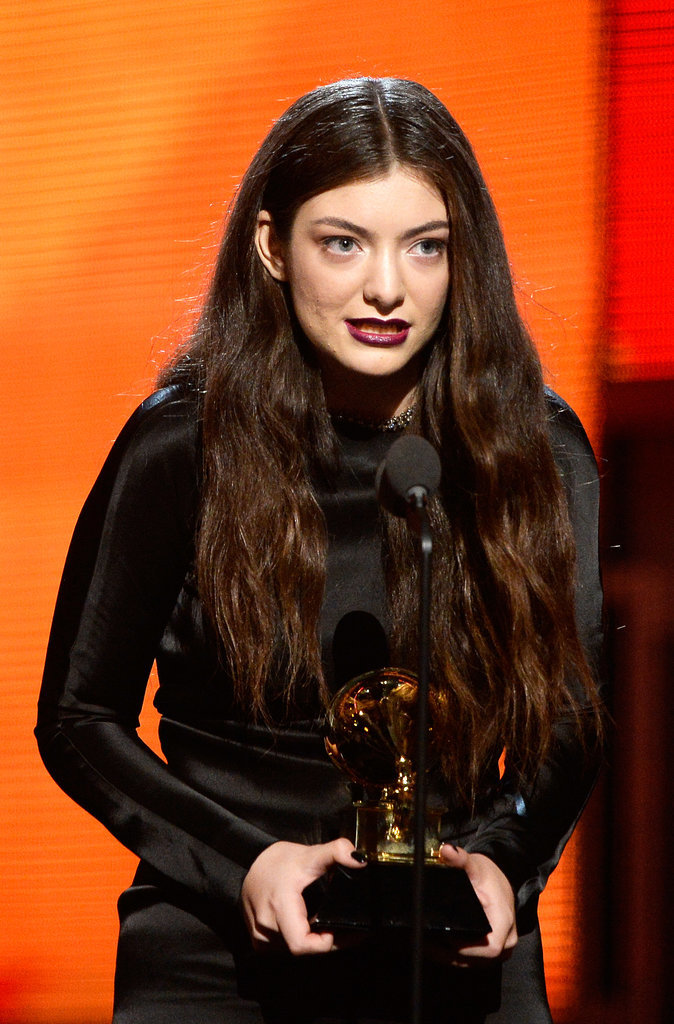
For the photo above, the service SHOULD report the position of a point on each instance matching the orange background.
(125, 128)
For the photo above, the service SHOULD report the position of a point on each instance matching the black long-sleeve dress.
(229, 788)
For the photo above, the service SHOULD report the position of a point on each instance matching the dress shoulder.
(566, 429)
(571, 446)
(156, 456)
(165, 426)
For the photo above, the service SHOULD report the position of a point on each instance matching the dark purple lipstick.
(371, 331)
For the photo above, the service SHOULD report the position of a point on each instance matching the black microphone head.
(410, 462)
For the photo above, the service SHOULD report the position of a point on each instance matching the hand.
(498, 902)
(271, 895)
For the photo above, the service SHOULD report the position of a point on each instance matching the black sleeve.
(130, 551)
(526, 832)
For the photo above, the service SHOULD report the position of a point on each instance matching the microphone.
(406, 479)
(408, 476)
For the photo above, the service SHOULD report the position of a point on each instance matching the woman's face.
(368, 272)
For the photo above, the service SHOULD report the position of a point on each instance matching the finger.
(489, 946)
(263, 927)
(497, 943)
(292, 922)
(262, 937)
(313, 943)
(347, 940)
(472, 955)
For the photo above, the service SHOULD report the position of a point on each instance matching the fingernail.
(359, 857)
(452, 846)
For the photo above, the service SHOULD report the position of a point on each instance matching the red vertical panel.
(641, 191)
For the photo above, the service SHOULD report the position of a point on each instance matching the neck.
(370, 399)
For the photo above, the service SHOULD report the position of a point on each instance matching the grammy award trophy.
(371, 730)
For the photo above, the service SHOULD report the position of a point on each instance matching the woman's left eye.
(429, 246)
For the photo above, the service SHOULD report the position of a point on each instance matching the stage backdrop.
(126, 126)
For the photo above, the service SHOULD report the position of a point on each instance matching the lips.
(371, 331)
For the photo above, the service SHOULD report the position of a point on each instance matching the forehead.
(394, 201)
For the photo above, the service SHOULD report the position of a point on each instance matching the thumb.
(338, 852)
(472, 864)
(454, 856)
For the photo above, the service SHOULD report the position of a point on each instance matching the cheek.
(438, 297)
(313, 311)
(302, 285)
(317, 296)
(309, 305)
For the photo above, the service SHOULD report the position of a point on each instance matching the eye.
(344, 245)
(429, 247)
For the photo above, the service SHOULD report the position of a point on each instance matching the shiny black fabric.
(229, 788)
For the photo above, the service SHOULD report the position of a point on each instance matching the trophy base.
(379, 897)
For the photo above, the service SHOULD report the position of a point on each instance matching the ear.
(269, 247)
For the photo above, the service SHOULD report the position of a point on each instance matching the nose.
(383, 287)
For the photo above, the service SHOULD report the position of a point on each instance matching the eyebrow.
(355, 229)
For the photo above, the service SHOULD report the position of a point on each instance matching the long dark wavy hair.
(506, 658)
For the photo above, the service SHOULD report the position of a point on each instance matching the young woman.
(362, 290)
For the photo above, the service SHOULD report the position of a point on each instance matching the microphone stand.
(417, 519)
